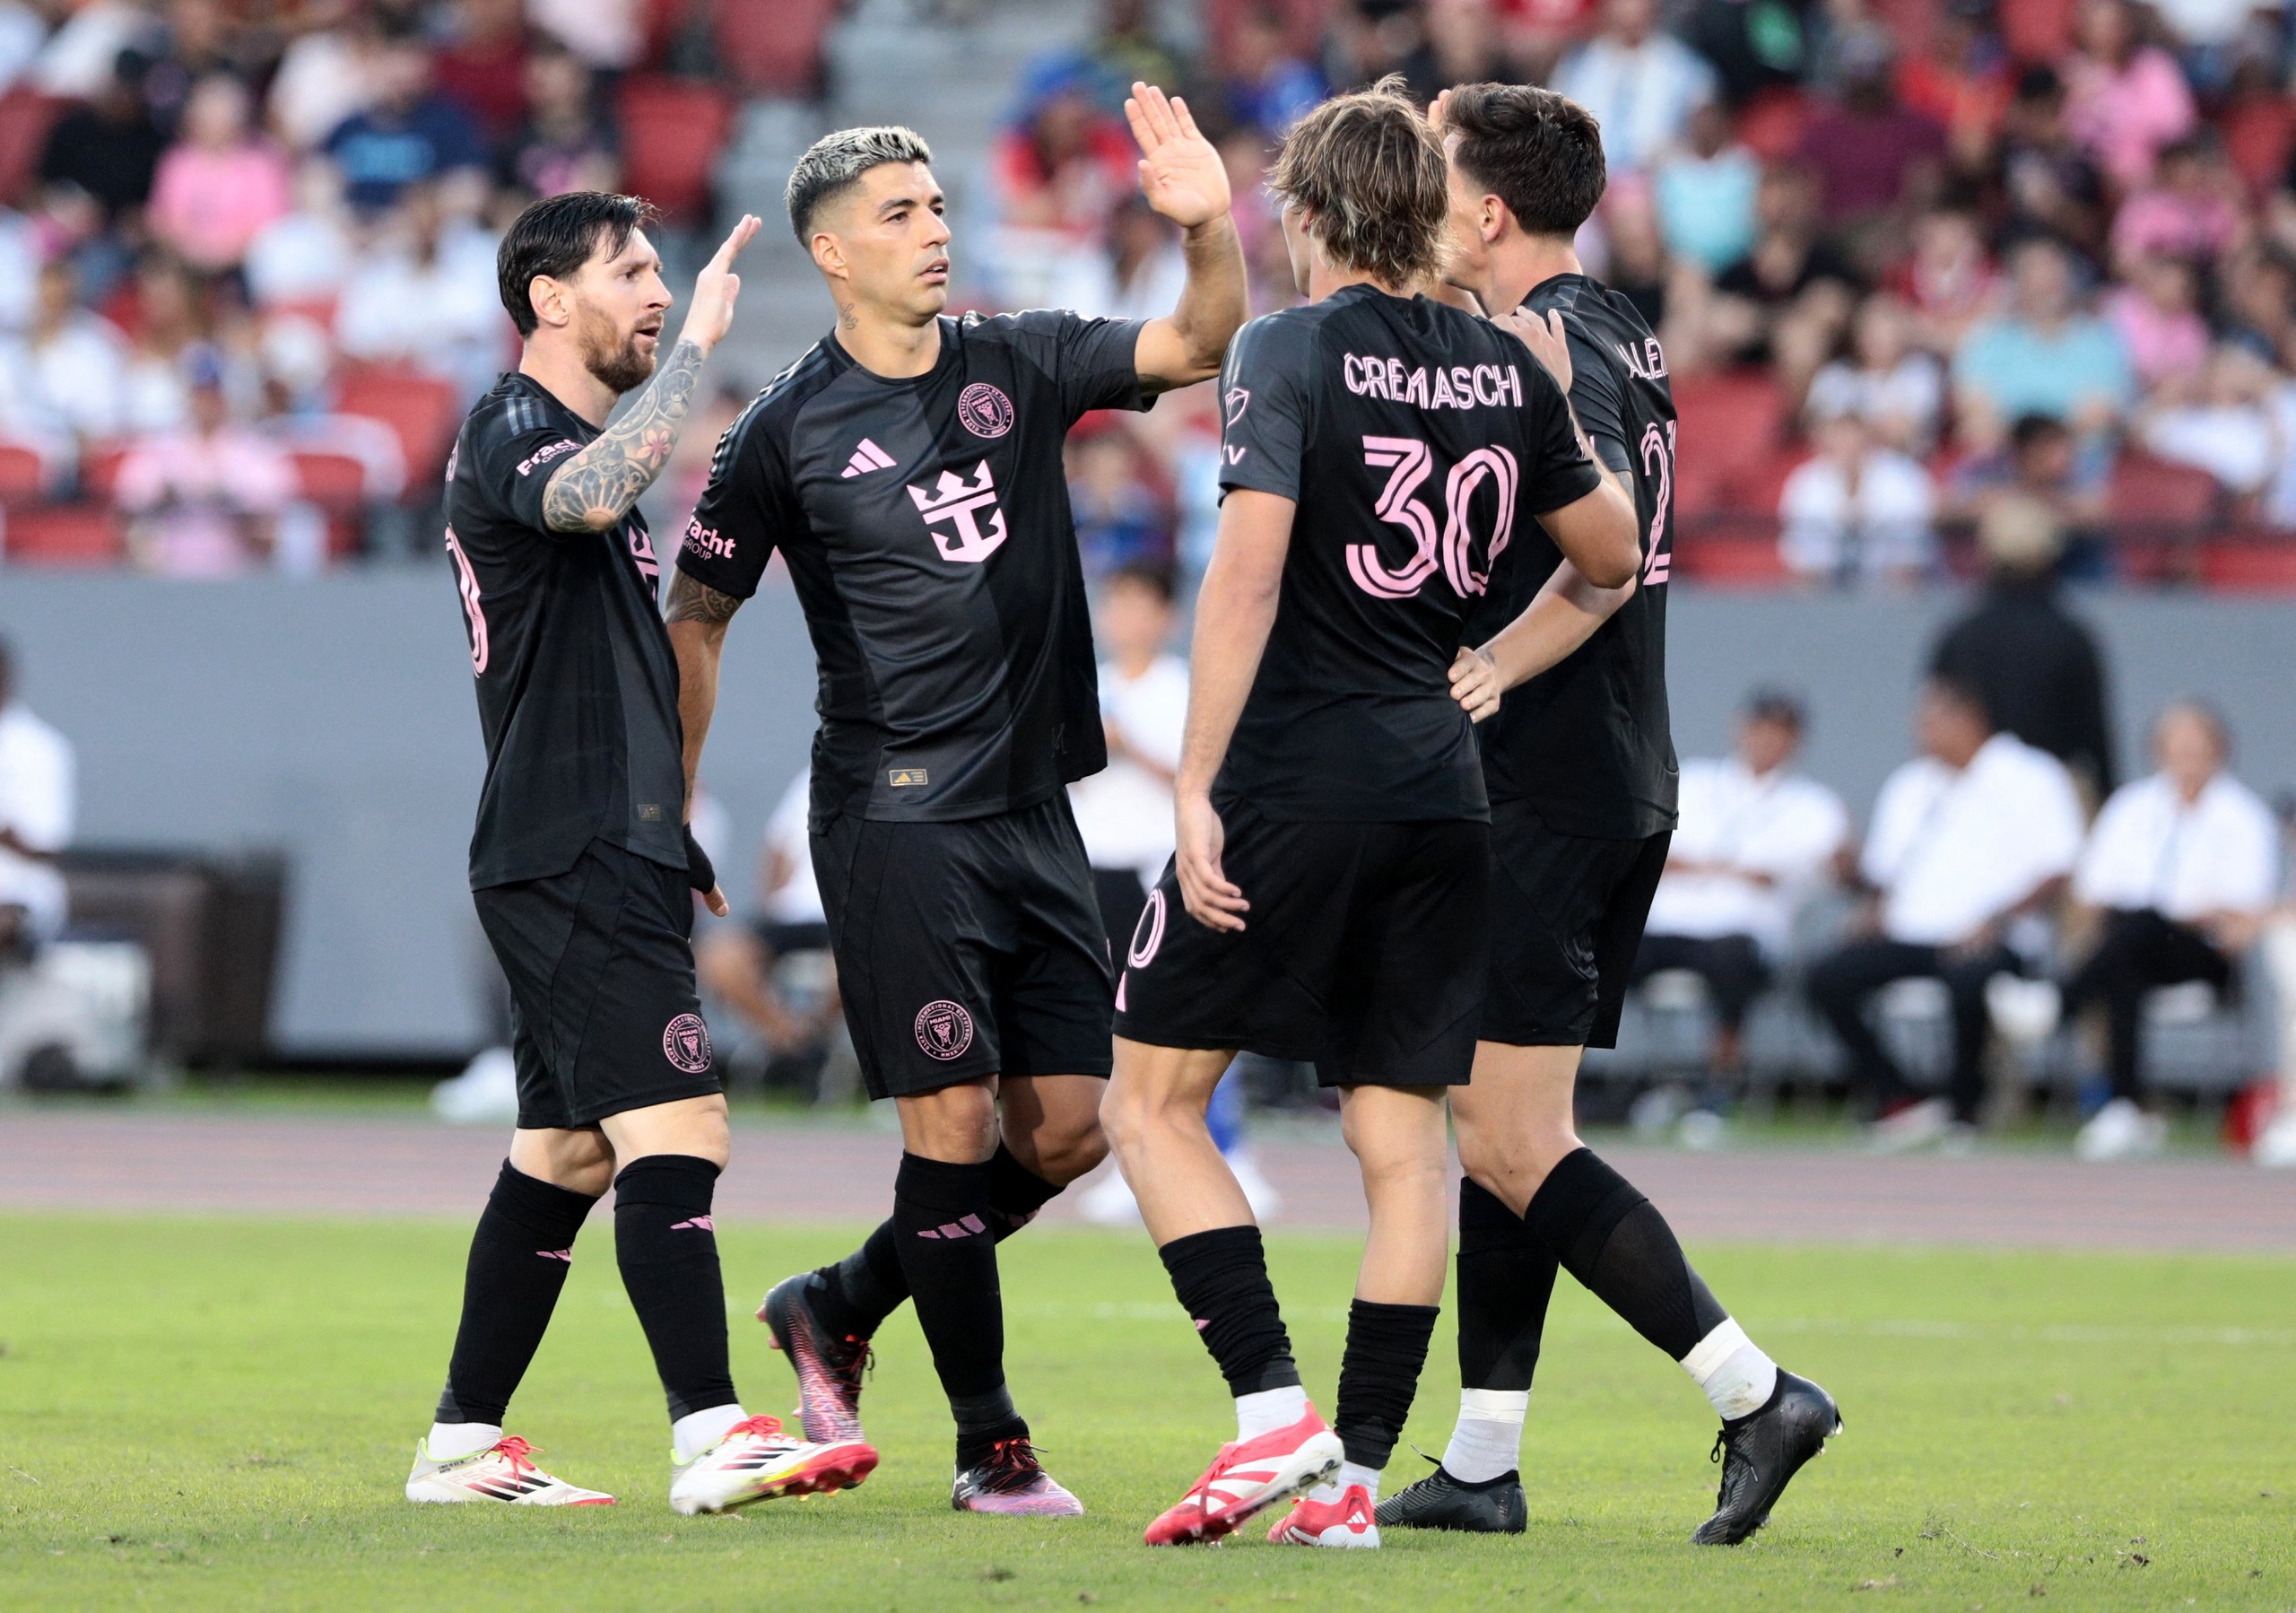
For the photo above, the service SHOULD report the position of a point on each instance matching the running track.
(79, 1160)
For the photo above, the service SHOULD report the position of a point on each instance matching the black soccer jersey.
(1419, 444)
(926, 527)
(577, 688)
(1587, 743)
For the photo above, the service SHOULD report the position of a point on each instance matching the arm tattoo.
(693, 601)
(597, 487)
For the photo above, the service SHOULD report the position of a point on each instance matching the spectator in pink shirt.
(2186, 212)
(220, 185)
(2158, 317)
(2128, 99)
(205, 498)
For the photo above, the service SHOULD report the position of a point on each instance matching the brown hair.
(1368, 170)
(1539, 152)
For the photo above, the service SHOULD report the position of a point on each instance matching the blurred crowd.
(1907, 257)
(247, 268)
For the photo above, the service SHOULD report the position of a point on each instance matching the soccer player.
(908, 469)
(580, 866)
(1581, 773)
(1329, 895)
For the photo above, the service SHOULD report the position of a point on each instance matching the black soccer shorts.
(967, 949)
(1363, 953)
(1567, 912)
(603, 1016)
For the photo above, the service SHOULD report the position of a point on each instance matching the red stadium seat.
(774, 46)
(25, 118)
(2037, 30)
(1736, 557)
(2155, 494)
(338, 481)
(2252, 564)
(1726, 441)
(66, 534)
(672, 131)
(100, 464)
(24, 474)
(423, 409)
(1771, 124)
(2260, 131)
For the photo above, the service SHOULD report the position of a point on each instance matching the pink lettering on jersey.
(474, 610)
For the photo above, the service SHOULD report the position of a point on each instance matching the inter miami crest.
(686, 1043)
(943, 1029)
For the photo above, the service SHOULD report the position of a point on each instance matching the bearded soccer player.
(580, 866)
(1382, 453)
(1581, 772)
(908, 467)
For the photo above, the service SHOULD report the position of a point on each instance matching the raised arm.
(594, 489)
(1183, 179)
(1560, 617)
(1234, 612)
(697, 615)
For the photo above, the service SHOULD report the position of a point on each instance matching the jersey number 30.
(1409, 463)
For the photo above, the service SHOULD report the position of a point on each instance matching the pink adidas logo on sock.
(557, 1254)
(699, 1223)
(955, 1229)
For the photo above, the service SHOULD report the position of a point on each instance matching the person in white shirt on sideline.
(1124, 812)
(1970, 845)
(2186, 865)
(735, 962)
(1125, 816)
(36, 787)
(1754, 838)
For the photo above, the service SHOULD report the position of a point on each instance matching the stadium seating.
(774, 46)
(672, 130)
(25, 118)
(2160, 512)
(338, 484)
(66, 534)
(2250, 564)
(24, 474)
(423, 409)
(1729, 431)
(100, 464)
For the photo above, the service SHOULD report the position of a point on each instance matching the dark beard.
(620, 372)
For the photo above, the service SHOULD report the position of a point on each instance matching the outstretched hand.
(716, 289)
(1544, 336)
(1180, 172)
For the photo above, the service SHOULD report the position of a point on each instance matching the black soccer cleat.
(828, 1366)
(1438, 1501)
(1760, 1453)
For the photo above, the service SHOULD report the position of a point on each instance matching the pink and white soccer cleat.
(503, 1472)
(1247, 1477)
(757, 1461)
(1013, 1483)
(828, 1366)
(1348, 1522)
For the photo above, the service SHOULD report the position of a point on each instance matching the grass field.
(197, 1413)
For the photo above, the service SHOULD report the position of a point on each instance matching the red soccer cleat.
(1246, 1477)
(1349, 1522)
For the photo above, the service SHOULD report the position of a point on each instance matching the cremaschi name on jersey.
(1459, 387)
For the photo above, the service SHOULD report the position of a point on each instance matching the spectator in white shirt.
(2186, 865)
(1754, 839)
(1971, 844)
(35, 800)
(65, 382)
(1859, 509)
(1125, 812)
(737, 963)
(1641, 82)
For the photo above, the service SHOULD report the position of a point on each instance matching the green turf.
(220, 1413)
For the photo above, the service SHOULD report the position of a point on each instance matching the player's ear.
(829, 255)
(1494, 219)
(546, 295)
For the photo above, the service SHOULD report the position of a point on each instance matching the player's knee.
(957, 1123)
(1062, 1152)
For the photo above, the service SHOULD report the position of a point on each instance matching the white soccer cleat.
(757, 1461)
(1915, 1125)
(504, 1472)
(2276, 1149)
(1247, 1477)
(1350, 1521)
(2120, 1131)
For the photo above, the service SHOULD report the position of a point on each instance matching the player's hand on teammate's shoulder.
(1475, 682)
(1210, 897)
(1180, 172)
(716, 289)
(1544, 337)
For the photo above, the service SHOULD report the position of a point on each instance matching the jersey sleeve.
(517, 448)
(1263, 397)
(1599, 398)
(749, 507)
(1559, 472)
(1094, 362)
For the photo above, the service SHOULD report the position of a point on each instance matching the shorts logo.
(984, 410)
(686, 1043)
(943, 1030)
(1148, 934)
(909, 778)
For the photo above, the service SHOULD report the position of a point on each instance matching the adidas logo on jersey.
(955, 500)
(866, 458)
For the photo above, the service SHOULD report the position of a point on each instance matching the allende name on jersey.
(1483, 386)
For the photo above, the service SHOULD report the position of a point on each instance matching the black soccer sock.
(860, 1291)
(1221, 1278)
(518, 1260)
(1615, 1241)
(949, 1255)
(667, 1245)
(1386, 1345)
(1505, 1279)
